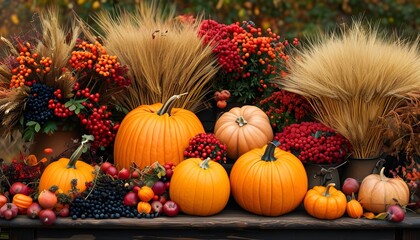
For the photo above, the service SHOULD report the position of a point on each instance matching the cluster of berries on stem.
(313, 142)
(205, 145)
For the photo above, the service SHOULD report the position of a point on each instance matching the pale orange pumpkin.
(377, 192)
(200, 187)
(268, 181)
(243, 129)
(156, 132)
(325, 202)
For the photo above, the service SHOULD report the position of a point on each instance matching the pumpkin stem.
(382, 175)
(269, 151)
(169, 104)
(205, 163)
(241, 121)
(78, 152)
(327, 191)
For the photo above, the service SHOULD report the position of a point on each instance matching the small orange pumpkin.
(156, 132)
(354, 208)
(268, 181)
(22, 201)
(325, 202)
(62, 172)
(377, 192)
(144, 207)
(145, 193)
(243, 129)
(200, 187)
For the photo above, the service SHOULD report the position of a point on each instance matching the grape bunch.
(205, 145)
(37, 105)
(102, 200)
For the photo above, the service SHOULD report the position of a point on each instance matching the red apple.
(112, 171)
(163, 199)
(395, 213)
(131, 199)
(105, 166)
(33, 210)
(136, 189)
(135, 174)
(47, 216)
(19, 187)
(169, 173)
(157, 207)
(64, 212)
(124, 174)
(159, 188)
(170, 208)
(350, 186)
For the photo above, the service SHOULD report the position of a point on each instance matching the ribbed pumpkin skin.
(240, 139)
(268, 188)
(325, 207)
(22, 201)
(377, 192)
(354, 209)
(145, 137)
(198, 191)
(57, 173)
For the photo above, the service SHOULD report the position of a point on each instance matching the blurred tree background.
(289, 18)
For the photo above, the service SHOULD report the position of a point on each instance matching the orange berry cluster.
(30, 66)
(93, 56)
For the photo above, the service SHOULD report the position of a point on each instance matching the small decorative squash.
(354, 208)
(62, 172)
(47, 199)
(200, 188)
(144, 207)
(145, 193)
(325, 202)
(268, 181)
(153, 133)
(243, 129)
(22, 201)
(377, 192)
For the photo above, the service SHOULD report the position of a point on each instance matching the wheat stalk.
(164, 56)
(353, 78)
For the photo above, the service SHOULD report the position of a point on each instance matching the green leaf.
(28, 134)
(72, 108)
(381, 216)
(37, 127)
(50, 127)
(317, 134)
(68, 103)
(31, 123)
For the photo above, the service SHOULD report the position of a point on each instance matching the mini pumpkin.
(268, 181)
(377, 192)
(62, 172)
(325, 202)
(144, 207)
(242, 129)
(156, 132)
(145, 193)
(200, 187)
(354, 209)
(22, 201)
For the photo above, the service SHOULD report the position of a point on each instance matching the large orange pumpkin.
(242, 129)
(156, 132)
(200, 188)
(62, 172)
(325, 202)
(377, 192)
(268, 181)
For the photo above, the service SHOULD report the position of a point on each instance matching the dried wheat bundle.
(353, 78)
(164, 55)
(54, 44)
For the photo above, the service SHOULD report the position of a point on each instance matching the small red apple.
(47, 216)
(395, 213)
(169, 173)
(131, 199)
(105, 166)
(170, 208)
(157, 207)
(350, 185)
(159, 188)
(163, 199)
(124, 174)
(19, 187)
(112, 171)
(135, 174)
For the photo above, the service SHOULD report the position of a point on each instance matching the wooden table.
(229, 224)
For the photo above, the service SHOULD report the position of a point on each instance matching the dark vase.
(322, 175)
(359, 168)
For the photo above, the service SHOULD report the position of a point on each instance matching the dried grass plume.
(353, 78)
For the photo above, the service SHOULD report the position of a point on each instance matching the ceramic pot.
(359, 168)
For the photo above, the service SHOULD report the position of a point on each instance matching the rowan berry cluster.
(249, 57)
(284, 108)
(205, 145)
(313, 142)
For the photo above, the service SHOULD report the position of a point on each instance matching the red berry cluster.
(249, 57)
(205, 145)
(93, 56)
(19, 171)
(30, 66)
(313, 142)
(285, 108)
